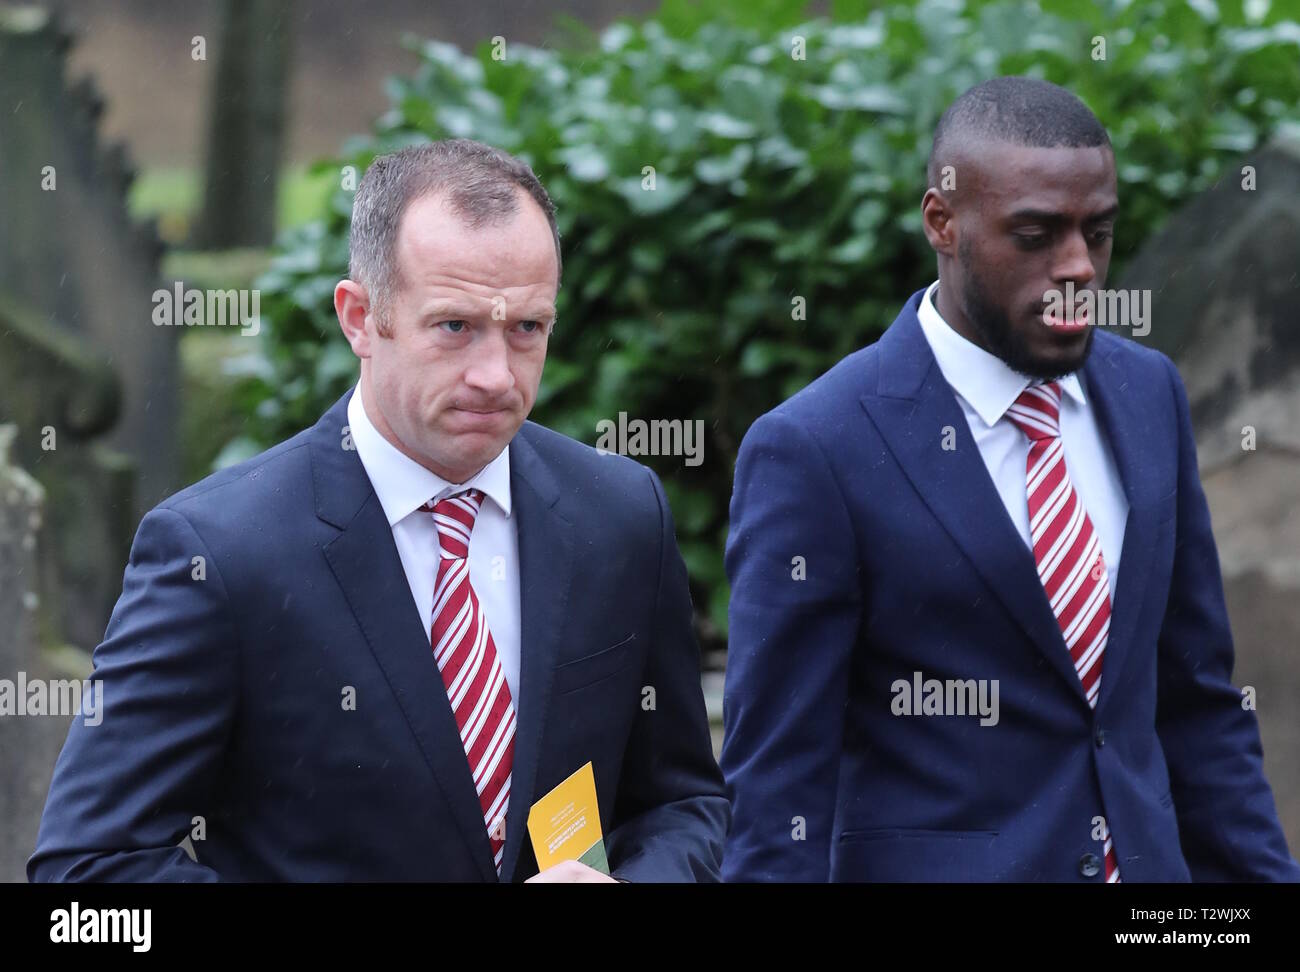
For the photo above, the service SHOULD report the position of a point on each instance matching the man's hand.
(571, 872)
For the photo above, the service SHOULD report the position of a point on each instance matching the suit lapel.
(546, 574)
(911, 407)
(365, 561)
(1117, 397)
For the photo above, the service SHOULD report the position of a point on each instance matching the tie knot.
(454, 517)
(1037, 411)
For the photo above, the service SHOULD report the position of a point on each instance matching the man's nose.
(489, 370)
(1074, 260)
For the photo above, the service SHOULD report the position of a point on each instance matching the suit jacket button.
(1089, 865)
(1100, 737)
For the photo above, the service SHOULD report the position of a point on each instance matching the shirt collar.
(402, 484)
(986, 381)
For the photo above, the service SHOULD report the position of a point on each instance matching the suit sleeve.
(126, 790)
(1227, 821)
(672, 813)
(794, 618)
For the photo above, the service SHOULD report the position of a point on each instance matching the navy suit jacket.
(223, 696)
(913, 565)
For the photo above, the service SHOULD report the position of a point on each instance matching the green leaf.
(774, 178)
(716, 170)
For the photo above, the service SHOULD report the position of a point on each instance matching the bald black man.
(977, 623)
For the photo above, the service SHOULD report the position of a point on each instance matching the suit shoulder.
(583, 465)
(839, 388)
(608, 488)
(822, 404)
(284, 463)
(1132, 354)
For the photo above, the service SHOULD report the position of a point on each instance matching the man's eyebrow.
(530, 312)
(1047, 216)
(1036, 216)
(1110, 212)
(445, 306)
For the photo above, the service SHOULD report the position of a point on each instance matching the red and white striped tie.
(471, 671)
(1066, 548)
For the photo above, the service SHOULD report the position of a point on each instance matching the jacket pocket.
(914, 834)
(581, 672)
(917, 855)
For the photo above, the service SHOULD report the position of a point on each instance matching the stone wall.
(31, 743)
(1225, 280)
(70, 252)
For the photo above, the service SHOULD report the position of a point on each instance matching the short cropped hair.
(480, 183)
(1019, 111)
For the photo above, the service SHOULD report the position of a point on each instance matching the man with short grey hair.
(414, 619)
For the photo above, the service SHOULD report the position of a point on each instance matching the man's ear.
(352, 307)
(939, 220)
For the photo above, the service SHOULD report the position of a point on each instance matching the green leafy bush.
(775, 178)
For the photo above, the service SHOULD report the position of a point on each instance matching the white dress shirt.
(403, 486)
(986, 387)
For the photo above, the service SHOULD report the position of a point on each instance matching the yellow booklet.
(565, 824)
